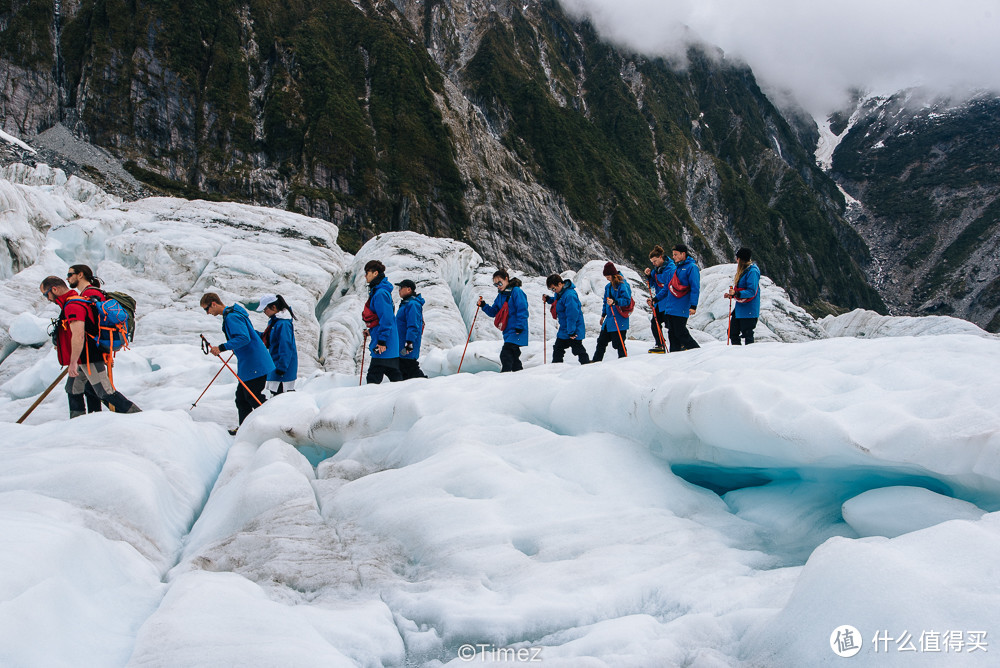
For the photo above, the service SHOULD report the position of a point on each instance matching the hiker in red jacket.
(77, 349)
(81, 278)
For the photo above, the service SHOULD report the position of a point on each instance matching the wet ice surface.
(703, 508)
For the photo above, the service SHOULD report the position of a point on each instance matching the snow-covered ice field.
(719, 507)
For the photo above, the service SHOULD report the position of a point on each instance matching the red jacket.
(74, 309)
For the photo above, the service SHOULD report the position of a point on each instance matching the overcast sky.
(818, 50)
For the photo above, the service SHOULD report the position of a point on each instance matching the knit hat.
(610, 269)
(681, 248)
(743, 254)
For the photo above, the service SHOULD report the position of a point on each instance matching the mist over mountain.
(506, 125)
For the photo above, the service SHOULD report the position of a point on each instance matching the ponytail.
(88, 274)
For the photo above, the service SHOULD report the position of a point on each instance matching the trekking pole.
(44, 394)
(620, 339)
(652, 298)
(364, 344)
(204, 344)
(210, 383)
(545, 344)
(729, 325)
(467, 340)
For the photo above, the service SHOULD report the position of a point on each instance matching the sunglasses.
(497, 284)
(71, 274)
(207, 307)
(48, 294)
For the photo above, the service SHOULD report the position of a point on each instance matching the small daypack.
(678, 289)
(500, 321)
(369, 316)
(626, 311)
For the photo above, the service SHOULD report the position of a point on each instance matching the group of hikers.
(268, 361)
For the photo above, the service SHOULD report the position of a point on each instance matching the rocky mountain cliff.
(925, 175)
(504, 124)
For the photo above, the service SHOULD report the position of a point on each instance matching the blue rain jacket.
(748, 286)
(569, 312)
(659, 279)
(252, 358)
(622, 296)
(516, 331)
(281, 344)
(384, 333)
(687, 273)
(410, 325)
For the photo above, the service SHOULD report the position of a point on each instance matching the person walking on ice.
(659, 278)
(617, 307)
(279, 337)
(682, 300)
(746, 292)
(410, 329)
(76, 347)
(253, 361)
(81, 278)
(510, 314)
(569, 312)
(380, 318)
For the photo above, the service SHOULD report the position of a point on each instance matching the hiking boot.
(657, 350)
(232, 432)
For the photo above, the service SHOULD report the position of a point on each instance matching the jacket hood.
(415, 298)
(382, 284)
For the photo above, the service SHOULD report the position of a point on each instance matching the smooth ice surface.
(893, 511)
(703, 508)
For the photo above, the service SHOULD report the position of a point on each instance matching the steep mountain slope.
(506, 125)
(926, 175)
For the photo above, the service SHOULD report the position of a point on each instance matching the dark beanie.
(743, 254)
(610, 269)
(681, 248)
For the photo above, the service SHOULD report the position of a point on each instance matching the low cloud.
(820, 51)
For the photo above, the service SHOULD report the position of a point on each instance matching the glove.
(408, 347)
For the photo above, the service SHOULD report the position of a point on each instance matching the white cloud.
(819, 51)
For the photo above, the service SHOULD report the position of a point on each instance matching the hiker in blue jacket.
(746, 292)
(659, 278)
(682, 299)
(410, 329)
(279, 337)
(569, 312)
(614, 322)
(380, 318)
(513, 322)
(253, 361)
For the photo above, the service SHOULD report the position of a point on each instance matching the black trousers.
(680, 337)
(410, 369)
(245, 400)
(559, 350)
(93, 401)
(616, 341)
(742, 328)
(654, 326)
(383, 367)
(510, 357)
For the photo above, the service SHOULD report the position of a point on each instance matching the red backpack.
(369, 316)
(626, 311)
(500, 321)
(678, 289)
(555, 315)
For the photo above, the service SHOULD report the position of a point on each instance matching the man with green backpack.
(79, 335)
